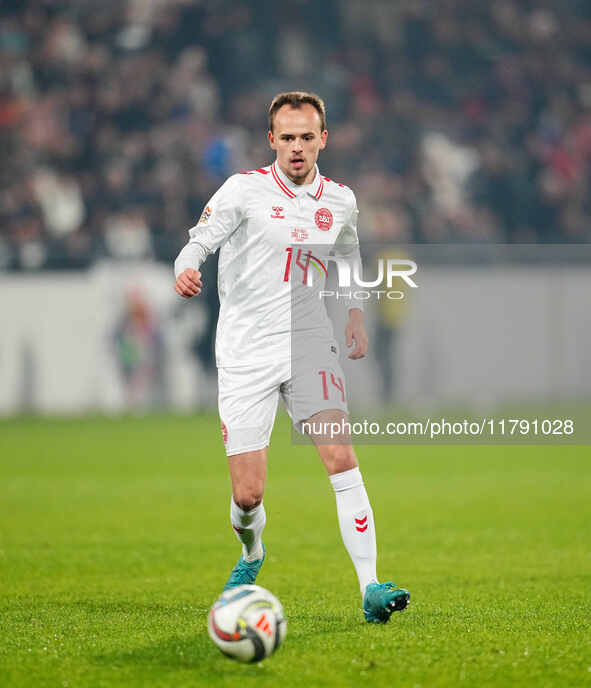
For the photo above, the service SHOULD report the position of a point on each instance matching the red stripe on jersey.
(261, 170)
(280, 183)
(328, 179)
(319, 191)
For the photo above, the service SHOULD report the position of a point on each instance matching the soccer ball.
(247, 623)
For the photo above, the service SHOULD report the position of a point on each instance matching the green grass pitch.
(115, 540)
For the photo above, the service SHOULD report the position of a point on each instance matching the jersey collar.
(292, 190)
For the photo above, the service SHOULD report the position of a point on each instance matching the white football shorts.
(248, 396)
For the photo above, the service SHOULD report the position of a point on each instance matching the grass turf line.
(114, 541)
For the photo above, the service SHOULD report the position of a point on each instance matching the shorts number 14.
(336, 382)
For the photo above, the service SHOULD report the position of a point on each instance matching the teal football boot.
(381, 599)
(245, 572)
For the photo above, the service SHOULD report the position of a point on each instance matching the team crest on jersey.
(323, 219)
(300, 234)
(278, 212)
(205, 215)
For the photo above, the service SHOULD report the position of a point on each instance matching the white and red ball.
(247, 623)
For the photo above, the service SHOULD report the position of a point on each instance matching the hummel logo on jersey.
(300, 234)
(277, 210)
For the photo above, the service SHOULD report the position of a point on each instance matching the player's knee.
(338, 458)
(249, 499)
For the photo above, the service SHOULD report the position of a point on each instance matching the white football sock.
(248, 526)
(356, 522)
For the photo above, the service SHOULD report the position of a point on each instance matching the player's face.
(298, 138)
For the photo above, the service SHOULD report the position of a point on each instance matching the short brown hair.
(296, 99)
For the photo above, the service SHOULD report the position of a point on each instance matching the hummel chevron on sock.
(248, 526)
(356, 523)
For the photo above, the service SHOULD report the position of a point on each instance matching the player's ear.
(271, 140)
(323, 138)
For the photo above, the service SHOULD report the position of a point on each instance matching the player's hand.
(355, 332)
(188, 283)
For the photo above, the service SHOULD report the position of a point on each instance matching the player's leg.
(354, 512)
(316, 400)
(316, 393)
(353, 507)
(248, 472)
(355, 515)
(247, 403)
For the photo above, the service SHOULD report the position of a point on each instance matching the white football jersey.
(262, 222)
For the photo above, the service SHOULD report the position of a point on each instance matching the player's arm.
(220, 218)
(348, 241)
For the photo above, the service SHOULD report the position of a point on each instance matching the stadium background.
(454, 122)
(464, 128)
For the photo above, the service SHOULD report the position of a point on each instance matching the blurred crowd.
(455, 120)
